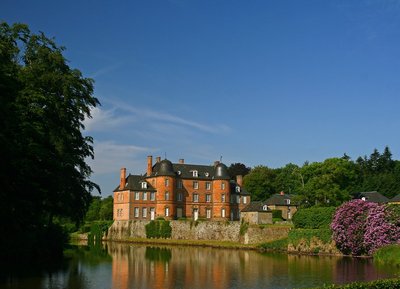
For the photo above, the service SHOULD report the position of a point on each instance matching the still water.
(123, 266)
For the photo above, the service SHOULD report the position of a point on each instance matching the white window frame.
(195, 185)
(136, 212)
(208, 213)
(208, 186)
(166, 196)
(179, 197)
(195, 198)
(166, 182)
(208, 198)
(222, 186)
(166, 211)
(137, 196)
(244, 200)
(195, 173)
(144, 212)
(144, 196)
(223, 213)
(223, 198)
(152, 196)
(144, 185)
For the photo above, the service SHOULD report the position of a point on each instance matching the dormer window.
(363, 198)
(265, 208)
(287, 201)
(144, 185)
(207, 174)
(195, 173)
(237, 189)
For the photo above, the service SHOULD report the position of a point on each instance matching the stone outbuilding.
(256, 213)
(373, 197)
(282, 202)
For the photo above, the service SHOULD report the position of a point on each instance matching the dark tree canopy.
(43, 103)
(238, 169)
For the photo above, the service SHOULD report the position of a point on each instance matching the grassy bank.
(381, 284)
(200, 243)
(388, 255)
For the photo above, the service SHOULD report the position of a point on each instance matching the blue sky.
(256, 82)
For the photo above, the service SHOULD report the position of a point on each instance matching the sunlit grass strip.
(201, 243)
(381, 284)
(388, 255)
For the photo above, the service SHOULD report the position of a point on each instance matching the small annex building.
(179, 190)
(395, 200)
(282, 202)
(373, 197)
(257, 213)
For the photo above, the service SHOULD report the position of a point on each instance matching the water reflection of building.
(137, 266)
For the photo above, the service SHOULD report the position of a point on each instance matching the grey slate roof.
(134, 183)
(279, 200)
(185, 171)
(255, 207)
(374, 197)
(395, 198)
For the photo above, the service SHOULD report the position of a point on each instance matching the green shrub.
(294, 237)
(313, 218)
(388, 255)
(277, 214)
(158, 229)
(276, 245)
(244, 226)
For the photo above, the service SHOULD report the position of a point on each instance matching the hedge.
(379, 284)
(313, 218)
(158, 229)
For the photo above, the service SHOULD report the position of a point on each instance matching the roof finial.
(220, 159)
(165, 155)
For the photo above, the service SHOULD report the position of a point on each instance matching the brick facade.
(180, 190)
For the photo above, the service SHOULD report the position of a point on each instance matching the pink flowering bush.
(361, 227)
(379, 231)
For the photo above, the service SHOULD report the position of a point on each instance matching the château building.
(179, 190)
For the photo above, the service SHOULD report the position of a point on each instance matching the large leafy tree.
(260, 182)
(42, 107)
(238, 169)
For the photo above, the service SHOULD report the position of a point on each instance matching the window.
(166, 196)
(208, 186)
(195, 174)
(179, 184)
(265, 208)
(144, 196)
(208, 198)
(120, 197)
(179, 197)
(195, 197)
(237, 199)
(222, 186)
(144, 212)
(166, 211)
(119, 212)
(166, 182)
(223, 198)
(152, 196)
(136, 212)
(137, 196)
(144, 185)
(287, 201)
(223, 212)
(208, 213)
(195, 185)
(244, 200)
(237, 189)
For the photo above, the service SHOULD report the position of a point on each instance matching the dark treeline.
(328, 183)
(44, 176)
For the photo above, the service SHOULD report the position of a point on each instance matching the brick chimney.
(149, 165)
(122, 181)
(282, 193)
(239, 180)
(181, 161)
(158, 159)
(216, 163)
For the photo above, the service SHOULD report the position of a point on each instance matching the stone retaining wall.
(201, 230)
